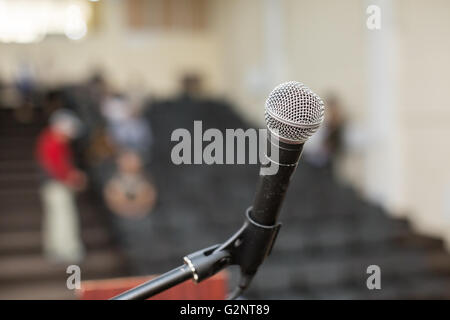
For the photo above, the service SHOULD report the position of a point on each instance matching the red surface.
(214, 288)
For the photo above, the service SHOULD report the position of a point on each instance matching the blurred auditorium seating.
(330, 234)
(329, 237)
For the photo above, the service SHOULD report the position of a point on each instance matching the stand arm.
(198, 266)
(154, 286)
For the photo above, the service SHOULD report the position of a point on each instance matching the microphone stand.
(253, 242)
(248, 248)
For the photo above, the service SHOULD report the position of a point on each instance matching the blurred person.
(191, 87)
(61, 235)
(25, 79)
(101, 147)
(25, 84)
(100, 157)
(127, 127)
(115, 108)
(130, 193)
(97, 88)
(2, 89)
(53, 100)
(326, 144)
(86, 99)
(91, 96)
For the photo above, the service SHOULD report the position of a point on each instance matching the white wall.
(320, 43)
(424, 103)
(393, 84)
(238, 27)
(151, 61)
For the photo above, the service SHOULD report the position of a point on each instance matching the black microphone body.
(261, 227)
(272, 188)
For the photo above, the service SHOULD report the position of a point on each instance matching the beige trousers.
(61, 234)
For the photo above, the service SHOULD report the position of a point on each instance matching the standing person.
(131, 196)
(126, 126)
(130, 193)
(326, 145)
(61, 241)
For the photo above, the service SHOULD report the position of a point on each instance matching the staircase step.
(29, 268)
(19, 181)
(30, 218)
(39, 290)
(26, 166)
(19, 196)
(26, 242)
(16, 153)
(22, 143)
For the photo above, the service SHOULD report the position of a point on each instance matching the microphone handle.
(272, 188)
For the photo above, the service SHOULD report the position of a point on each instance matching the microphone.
(293, 113)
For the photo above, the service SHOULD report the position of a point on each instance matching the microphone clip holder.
(251, 244)
(247, 248)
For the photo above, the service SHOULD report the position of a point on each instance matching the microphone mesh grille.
(293, 112)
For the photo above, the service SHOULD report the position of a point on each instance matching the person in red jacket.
(61, 179)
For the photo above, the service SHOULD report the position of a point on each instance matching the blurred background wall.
(391, 82)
